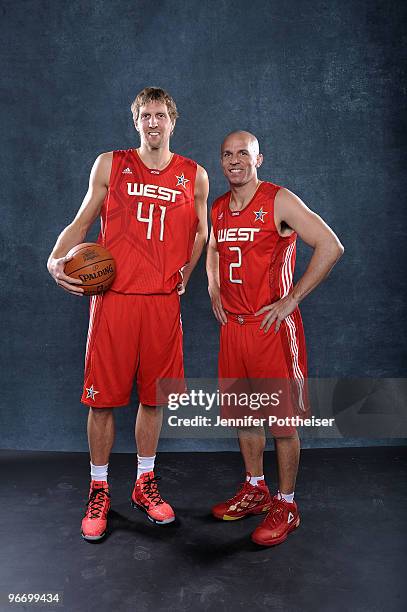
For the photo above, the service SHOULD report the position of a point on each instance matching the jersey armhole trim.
(115, 155)
(274, 219)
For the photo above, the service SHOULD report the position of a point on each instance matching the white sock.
(255, 479)
(144, 465)
(288, 497)
(98, 472)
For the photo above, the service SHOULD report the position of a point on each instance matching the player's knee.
(152, 413)
(100, 414)
(284, 436)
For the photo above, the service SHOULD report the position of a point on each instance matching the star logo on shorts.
(259, 215)
(91, 392)
(181, 180)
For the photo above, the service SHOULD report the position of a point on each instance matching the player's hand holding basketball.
(220, 314)
(277, 312)
(56, 269)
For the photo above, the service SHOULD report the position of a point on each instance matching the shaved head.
(241, 135)
(240, 157)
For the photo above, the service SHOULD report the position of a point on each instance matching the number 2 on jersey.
(236, 264)
(149, 219)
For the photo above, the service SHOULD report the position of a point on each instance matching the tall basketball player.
(250, 265)
(152, 205)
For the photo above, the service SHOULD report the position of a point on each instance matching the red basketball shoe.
(279, 522)
(98, 506)
(249, 499)
(146, 498)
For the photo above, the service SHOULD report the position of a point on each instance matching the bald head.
(240, 158)
(245, 139)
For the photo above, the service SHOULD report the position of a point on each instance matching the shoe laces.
(149, 488)
(245, 488)
(96, 502)
(276, 512)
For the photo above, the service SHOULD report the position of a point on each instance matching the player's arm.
(75, 232)
(212, 270)
(201, 199)
(318, 235)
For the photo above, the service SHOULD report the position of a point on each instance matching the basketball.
(93, 265)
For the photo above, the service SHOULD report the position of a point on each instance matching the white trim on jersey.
(91, 320)
(286, 278)
(287, 272)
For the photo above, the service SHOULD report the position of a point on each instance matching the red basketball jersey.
(256, 264)
(148, 222)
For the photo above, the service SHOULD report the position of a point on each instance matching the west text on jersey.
(237, 234)
(152, 191)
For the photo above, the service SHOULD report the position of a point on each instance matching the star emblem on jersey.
(181, 180)
(259, 214)
(91, 392)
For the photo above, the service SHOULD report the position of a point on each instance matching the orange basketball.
(93, 265)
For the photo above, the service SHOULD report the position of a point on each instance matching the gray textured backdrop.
(318, 82)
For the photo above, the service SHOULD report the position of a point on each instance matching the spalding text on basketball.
(87, 277)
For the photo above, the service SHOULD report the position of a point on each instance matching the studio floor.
(349, 553)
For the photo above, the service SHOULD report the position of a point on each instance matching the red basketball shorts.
(132, 336)
(254, 362)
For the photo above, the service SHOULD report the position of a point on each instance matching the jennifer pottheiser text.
(249, 421)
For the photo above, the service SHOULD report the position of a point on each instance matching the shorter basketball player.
(152, 206)
(250, 266)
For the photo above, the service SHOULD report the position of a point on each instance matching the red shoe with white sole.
(146, 497)
(94, 522)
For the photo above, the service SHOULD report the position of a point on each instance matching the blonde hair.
(154, 94)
